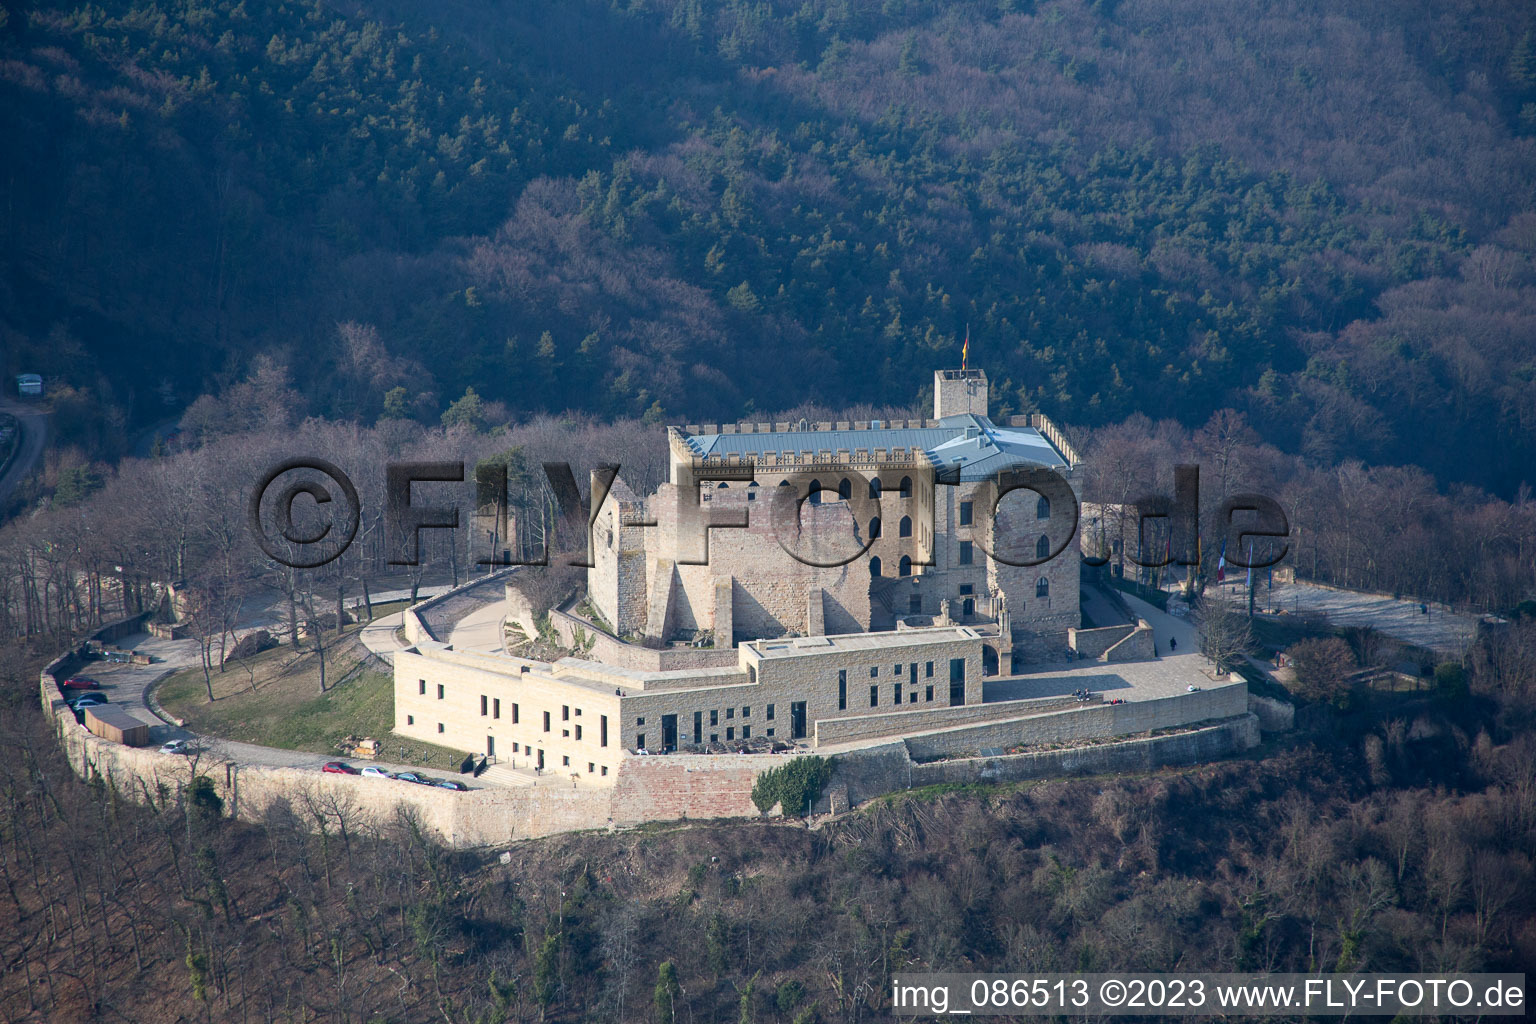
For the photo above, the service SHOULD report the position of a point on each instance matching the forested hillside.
(1393, 839)
(1319, 214)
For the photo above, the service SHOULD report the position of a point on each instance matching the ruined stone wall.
(599, 646)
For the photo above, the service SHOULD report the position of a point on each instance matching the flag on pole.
(1221, 564)
(965, 349)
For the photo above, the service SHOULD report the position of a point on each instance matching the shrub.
(792, 786)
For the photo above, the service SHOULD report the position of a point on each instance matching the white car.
(178, 747)
(373, 771)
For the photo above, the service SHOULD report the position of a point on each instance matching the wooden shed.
(117, 725)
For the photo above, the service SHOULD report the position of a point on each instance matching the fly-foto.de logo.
(306, 512)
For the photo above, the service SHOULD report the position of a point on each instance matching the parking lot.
(124, 685)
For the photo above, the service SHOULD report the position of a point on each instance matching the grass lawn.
(286, 709)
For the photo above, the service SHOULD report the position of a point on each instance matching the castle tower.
(959, 392)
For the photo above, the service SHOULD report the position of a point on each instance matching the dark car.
(420, 780)
(338, 768)
(80, 683)
(453, 784)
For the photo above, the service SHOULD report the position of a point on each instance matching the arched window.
(1042, 587)
(905, 569)
(905, 529)
(1043, 508)
(1043, 547)
(874, 566)
(906, 487)
(815, 492)
(719, 485)
(874, 528)
(968, 607)
(783, 483)
(874, 488)
(845, 489)
(751, 494)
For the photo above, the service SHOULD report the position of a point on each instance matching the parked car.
(80, 683)
(87, 700)
(373, 771)
(339, 768)
(420, 780)
(178, 747)
(453, 784)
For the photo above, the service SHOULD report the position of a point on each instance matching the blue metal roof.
(979, 447)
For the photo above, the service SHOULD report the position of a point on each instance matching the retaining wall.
(1217, 740)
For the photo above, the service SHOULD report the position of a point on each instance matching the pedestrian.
(1173, 643)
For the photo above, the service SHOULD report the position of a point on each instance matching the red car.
(338, 768)
(80, 683)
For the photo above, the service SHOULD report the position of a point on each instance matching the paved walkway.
(379, 636)
(480, 630)
(1099, 610)
(1439, 630)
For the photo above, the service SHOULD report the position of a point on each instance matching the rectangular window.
(896, 687)
(746, 732)
(730, 713)
(896, 670)
(421, 687)
(746, 711)
(496, 707)
(965, 513)
(578, 712)
(874, 696)
(929, 672)
(640, 742)
(604, 771)
(565, 760)
(591, 767)
(874, 671)
(769, 713)
(439, 726)
(714, 737)
(965, 552)
(485, 705)
(439, 691)
(730, 733)
(578, 732)
(546, 721)
(565, 712)
(770, 733)
(514, 714)
(602, 731)
(966, 588)
(639, 721)
(515, 747)
(698, 727)
(714, 718)
(842, 689)
(927, 693)
(410, 719)
(565, 733)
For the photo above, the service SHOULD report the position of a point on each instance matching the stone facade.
(896, 525)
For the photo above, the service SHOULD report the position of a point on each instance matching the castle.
(814, 586)
(914, 497)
